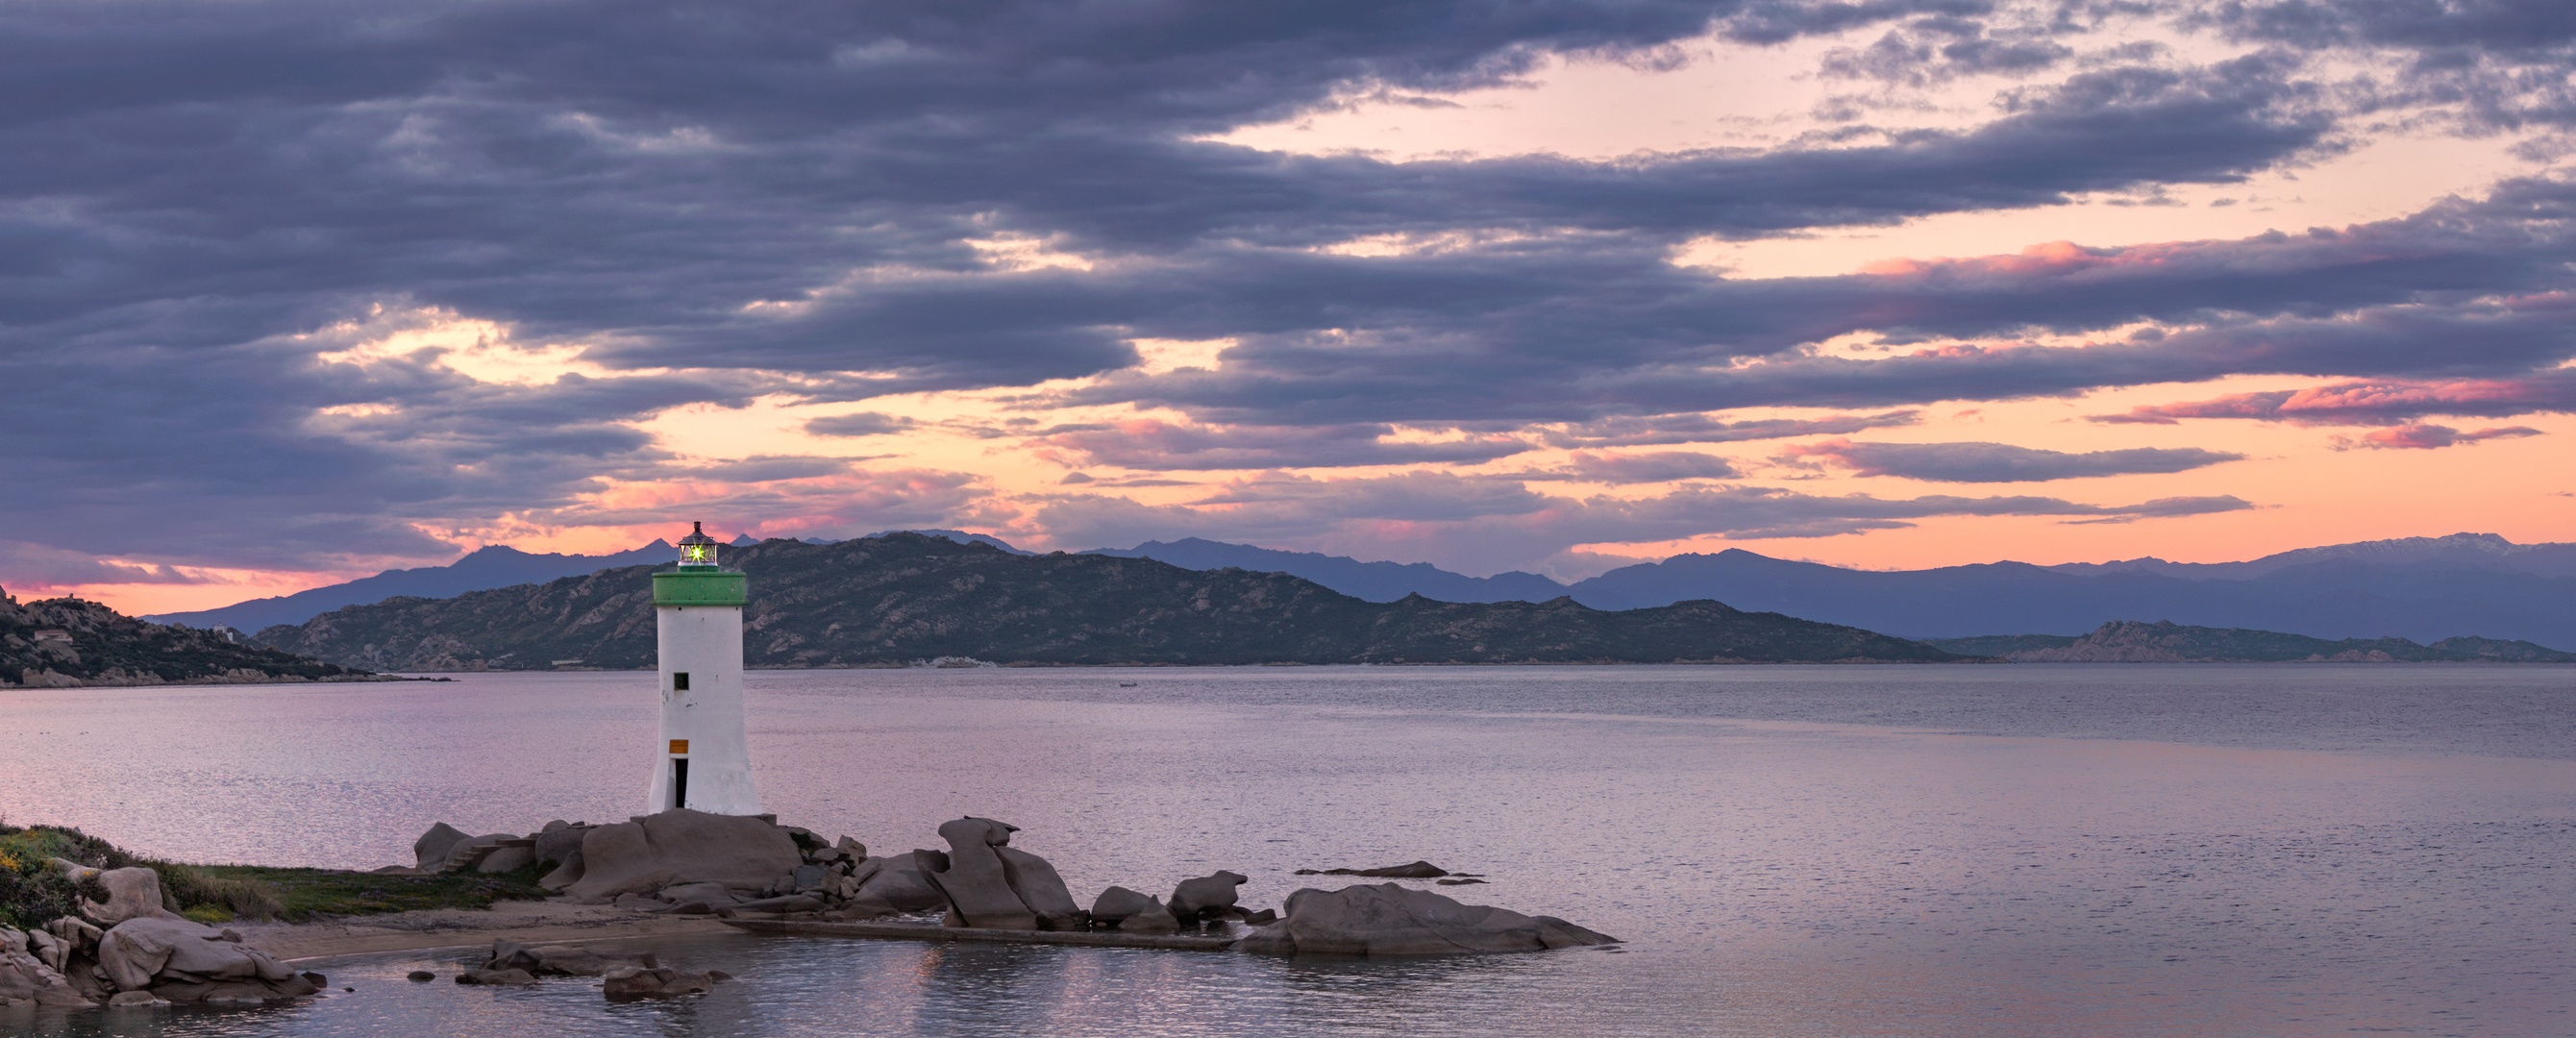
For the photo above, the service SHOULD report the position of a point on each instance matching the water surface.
(2025, 850)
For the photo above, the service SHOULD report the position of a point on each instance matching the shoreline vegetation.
(74, 643)
(34, 891)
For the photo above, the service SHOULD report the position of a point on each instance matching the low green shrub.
(32, 893)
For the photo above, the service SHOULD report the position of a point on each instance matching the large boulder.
(1132, 912)
(889, 885)
(469, 853)
(978, 888)
(632, 982)
(1205, 896)
(132, 893)
(1391, 920)
(432, 847)
(558, 842)
(510, 856)
(1038, 886)
(543, 961)
(25, 978)
(682, 846)
(140, 953)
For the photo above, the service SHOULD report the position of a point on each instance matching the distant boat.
(1126, 684)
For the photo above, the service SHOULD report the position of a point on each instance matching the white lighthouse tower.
(703, 761)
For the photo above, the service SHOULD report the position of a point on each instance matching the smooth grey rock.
(420, 976)
(629, 983)
(559, 842)
(808, 878)
(139, 951)
(135, 999)
(17, 981)
(1038, 886)
(74, 935)
(132, 893)
(707, 893)
(1390, 919)
(432, 847)
(468, 853)
(507, 859)
(1207, 895)
(781, 904)
(1415, 870)
(896, 885)
(1118, 903)
(857, 851)
(978, 888)
(682, 846)
(565, 874)
(542, 960)
(1154, 918)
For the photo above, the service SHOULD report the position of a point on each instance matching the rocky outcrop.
(1416, 870)
(1205, 897)
(31, 973)
(554, 961)
(72, 643)
(430, 851)
(1128, 911)
(633, 982)
(971, 876)
(683, 846)
(1390, 919)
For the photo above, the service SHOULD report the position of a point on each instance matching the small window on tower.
(679, 681)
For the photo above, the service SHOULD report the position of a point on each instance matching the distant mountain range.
(904, 598)
(2420, 588)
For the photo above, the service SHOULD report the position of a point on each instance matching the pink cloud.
(2375, 403)
(2427, 437)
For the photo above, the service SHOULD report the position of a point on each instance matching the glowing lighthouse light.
(704, 763)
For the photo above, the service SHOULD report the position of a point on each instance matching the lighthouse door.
(679, 782)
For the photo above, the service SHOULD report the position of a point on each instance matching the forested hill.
(2128, 641)
(68, 642)
(904, 598)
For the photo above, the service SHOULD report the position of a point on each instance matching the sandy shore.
(528, 922)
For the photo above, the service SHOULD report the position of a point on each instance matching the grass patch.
(32, 892)
(304, 894)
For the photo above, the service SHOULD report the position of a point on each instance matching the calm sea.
(1789, 851)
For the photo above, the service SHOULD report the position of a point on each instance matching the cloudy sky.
(292, 292)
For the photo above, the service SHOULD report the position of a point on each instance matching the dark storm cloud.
(1625, 469)
(1156, 446)
(1491, 522)
(2000, 462)
(1698, 428)
(782, 201)
(2479, 278)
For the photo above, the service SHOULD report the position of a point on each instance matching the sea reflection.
(1789, 851)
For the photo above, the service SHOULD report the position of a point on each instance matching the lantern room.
(697, 549)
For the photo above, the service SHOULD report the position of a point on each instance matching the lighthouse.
(702, 761)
